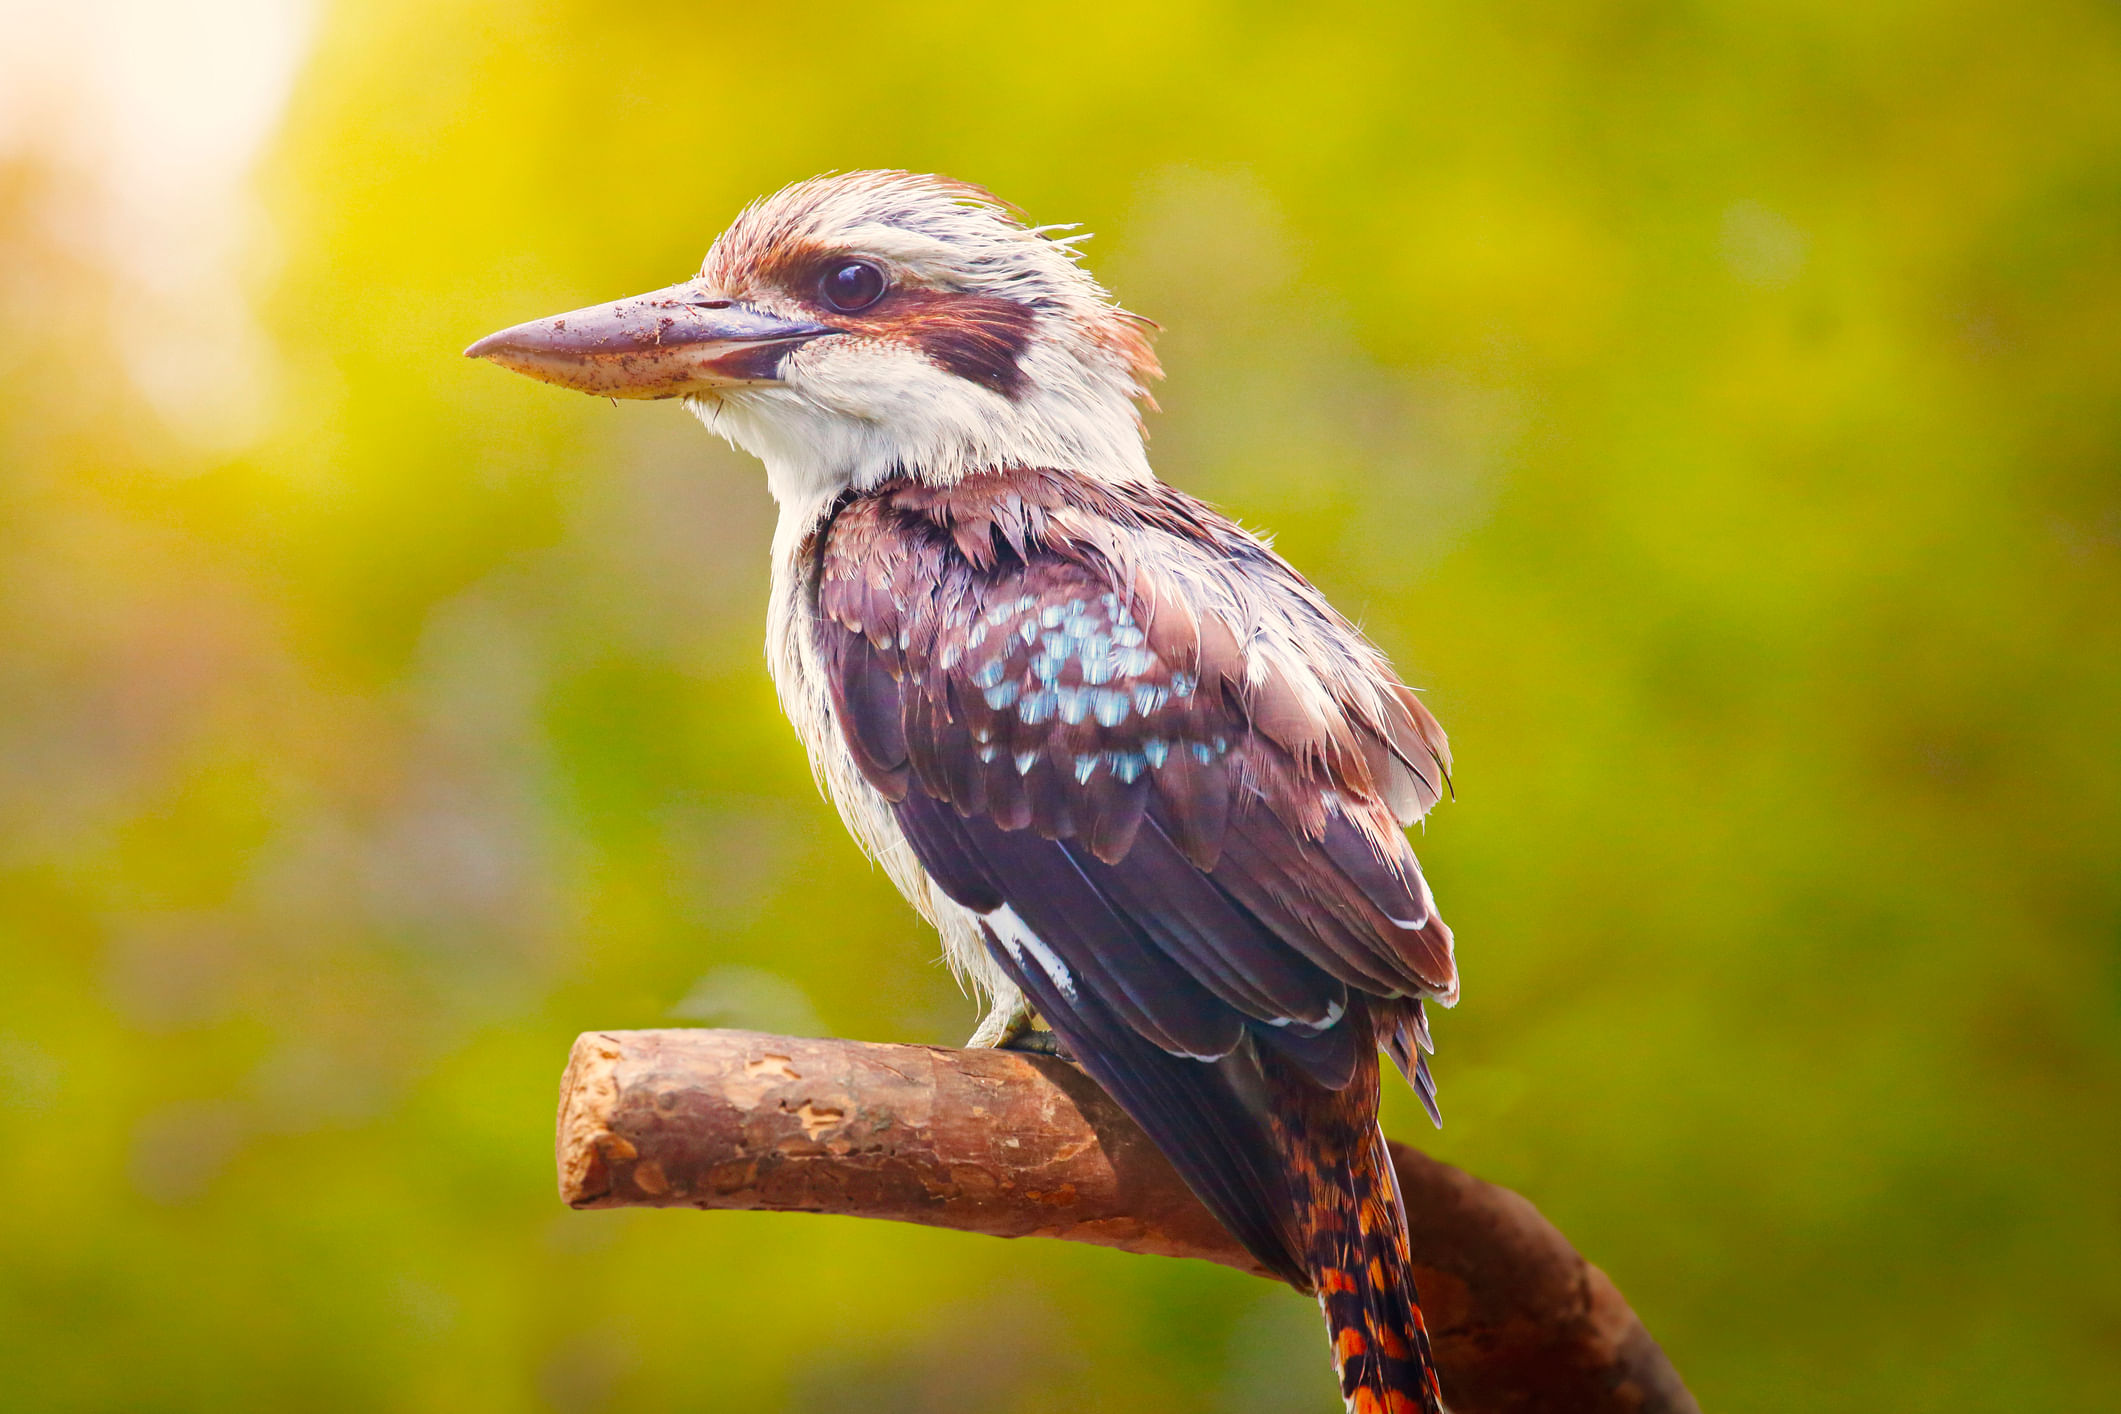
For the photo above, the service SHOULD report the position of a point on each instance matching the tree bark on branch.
(1013, 1145)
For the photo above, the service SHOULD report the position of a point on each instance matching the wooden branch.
(1022, 1146)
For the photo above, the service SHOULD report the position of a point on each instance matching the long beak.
(664, 344)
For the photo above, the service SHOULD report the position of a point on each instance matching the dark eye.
(852, 286)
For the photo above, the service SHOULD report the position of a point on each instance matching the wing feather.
(1143, 733)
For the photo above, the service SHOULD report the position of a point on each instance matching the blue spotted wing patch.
(1058, 684)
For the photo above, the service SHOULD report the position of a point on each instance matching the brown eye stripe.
(980, 338)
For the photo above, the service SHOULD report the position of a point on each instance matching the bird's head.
(857, 326)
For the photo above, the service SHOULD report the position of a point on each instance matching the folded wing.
(1168, 779)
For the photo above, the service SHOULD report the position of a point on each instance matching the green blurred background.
(1716, 407)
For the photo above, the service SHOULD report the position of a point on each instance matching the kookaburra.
(1147, 784)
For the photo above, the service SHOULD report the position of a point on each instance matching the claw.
(1036, 1040)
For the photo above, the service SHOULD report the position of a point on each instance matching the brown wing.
(1095, 730)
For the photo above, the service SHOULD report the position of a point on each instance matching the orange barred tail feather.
(1352, 1239)
(1358, 1258)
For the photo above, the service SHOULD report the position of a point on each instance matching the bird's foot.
(1014, 1026)
(1008, 1016)
(1038, 1041)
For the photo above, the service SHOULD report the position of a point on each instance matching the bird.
(1147, 784)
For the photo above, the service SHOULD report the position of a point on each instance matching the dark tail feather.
(1405, 1038)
